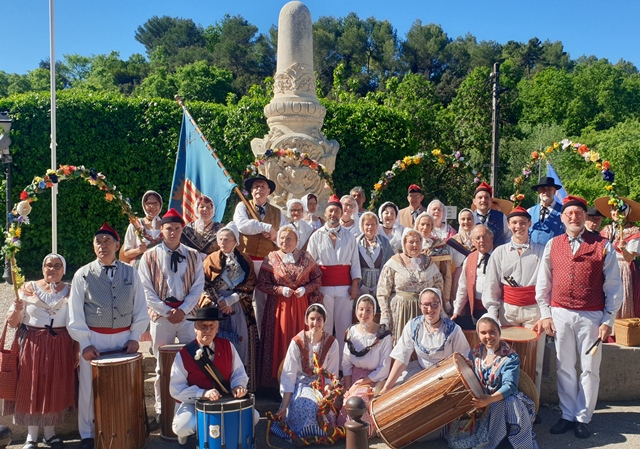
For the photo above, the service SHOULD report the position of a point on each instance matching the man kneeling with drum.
(207, 368)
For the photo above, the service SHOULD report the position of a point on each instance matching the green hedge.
(133, 142)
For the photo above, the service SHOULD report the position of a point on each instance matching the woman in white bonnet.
(296, 211)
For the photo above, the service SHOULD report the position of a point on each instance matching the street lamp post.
(5, 141)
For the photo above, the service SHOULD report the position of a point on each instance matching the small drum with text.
(525, 343)
(429, 400)
(225, 423)
(118, 398)
(167, 403)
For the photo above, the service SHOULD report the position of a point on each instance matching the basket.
(627, 331)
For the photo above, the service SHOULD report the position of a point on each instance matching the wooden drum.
(167, 403)
(118, 397)
(525, 343)
(429, 400)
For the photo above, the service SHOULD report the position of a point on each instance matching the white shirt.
(405, 346)
(131, 239)
(377, 359)
(77, 326)
(251, 226)
(461, 294)
(292, 367)
(395, 239)
(304, 231)
(505, 261)
(39, 312)
(175, 281)
(345, 252)
(612, 286)
(181, 390)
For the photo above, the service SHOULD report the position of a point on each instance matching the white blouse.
(405, 346)
(43, 307)
(292, 367)
(377, 359)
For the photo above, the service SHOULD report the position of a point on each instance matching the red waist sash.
(520, 296)
(109, 330)
(335, 275)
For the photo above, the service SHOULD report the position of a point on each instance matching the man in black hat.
(207, 367)
(594, 220)
(545, 216)
(257, 237)
(107, 311)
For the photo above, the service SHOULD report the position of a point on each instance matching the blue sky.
(606, 29)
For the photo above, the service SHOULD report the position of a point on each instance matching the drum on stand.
(427, 401)
(118, 397)
(525, 343)
(167, 403)
(225, 423)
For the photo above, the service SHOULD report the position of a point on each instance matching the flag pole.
(250, 208)
(54, 187)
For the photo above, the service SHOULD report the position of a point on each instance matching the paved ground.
(615, 425)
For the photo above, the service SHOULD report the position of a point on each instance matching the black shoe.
(54, 443)
(154, 424)
(562, 426)
(86, 443)
(582, 430)
(30, 445)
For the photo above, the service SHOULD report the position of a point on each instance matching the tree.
(424, 50)
(545, 97)
(171, 32)
(199, 81)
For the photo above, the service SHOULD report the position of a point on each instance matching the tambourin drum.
(525, 343)
(429, 400)
(472, 338)
(167, 403)
(118, 398)
(225, 423)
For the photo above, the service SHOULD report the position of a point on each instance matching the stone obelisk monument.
(295, 116)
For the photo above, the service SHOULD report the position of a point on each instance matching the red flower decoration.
(582, 149)
(24, 195)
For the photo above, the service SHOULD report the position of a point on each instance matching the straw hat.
(526, 385)
(602, 204)
(504, 206)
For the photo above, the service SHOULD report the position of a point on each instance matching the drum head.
(515, 334)
(468, 376)
(115, 359)
(226, 404)
(171, 348)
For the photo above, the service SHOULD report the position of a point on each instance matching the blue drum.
(225, 423)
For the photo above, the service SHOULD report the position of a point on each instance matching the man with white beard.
(545, 216)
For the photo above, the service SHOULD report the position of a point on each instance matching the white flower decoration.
(23, 208)
(199, 354)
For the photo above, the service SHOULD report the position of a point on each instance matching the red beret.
(484, 187)
(106, 229)
(415, 188)
(519, 212)
(172, 216)
(574, 201)
(334, 201)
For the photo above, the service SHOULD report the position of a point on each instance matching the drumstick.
(115, 351)
(594, 347)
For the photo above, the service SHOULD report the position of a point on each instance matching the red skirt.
(46, 377)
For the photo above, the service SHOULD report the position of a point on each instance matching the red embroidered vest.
(470, 278)
(577, 279)
(223, 360)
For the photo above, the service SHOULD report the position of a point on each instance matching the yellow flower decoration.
(440, 160)
(609, 188)
(612, 202)
(416, 160)
(549, 150)
(18, 232)
(436, 152)
(595, 156)
(556, 145)
(598, 165)
(407, 160)
(402, 166)
(377, 186)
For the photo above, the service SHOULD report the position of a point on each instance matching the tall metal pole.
(5, 141)
(54, 188)
(495, 135)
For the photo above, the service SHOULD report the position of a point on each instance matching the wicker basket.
(627, 331)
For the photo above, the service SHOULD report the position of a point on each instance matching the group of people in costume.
(325, 305)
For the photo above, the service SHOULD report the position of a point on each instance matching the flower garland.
(19, 216)
(590, 157)
(293, 153)
(455, 160)
(328, 396)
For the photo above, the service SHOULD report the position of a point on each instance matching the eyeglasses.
(55, 266)
(206, 327)
(433, 305)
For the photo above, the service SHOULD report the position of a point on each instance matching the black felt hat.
(207, 314)
(248, 183)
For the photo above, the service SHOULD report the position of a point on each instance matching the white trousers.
(576, 331)
(339, 307)
(165, 333)
(103, 343)
(527, 316)
(259, 298)
(184, 421)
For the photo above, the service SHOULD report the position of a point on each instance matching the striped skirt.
(46, 377)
